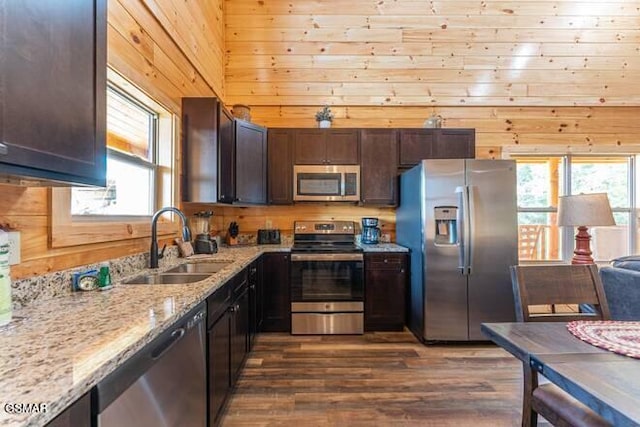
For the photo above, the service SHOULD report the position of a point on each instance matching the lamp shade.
(585, 210)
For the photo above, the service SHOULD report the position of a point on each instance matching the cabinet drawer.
(385, 261)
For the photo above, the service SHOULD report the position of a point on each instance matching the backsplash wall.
(251, 219)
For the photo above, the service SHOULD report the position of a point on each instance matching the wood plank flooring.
(377, 379)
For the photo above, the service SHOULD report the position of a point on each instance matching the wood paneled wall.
(251, 219)
(538, 72)
(169, 49)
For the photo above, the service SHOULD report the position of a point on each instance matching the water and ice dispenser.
(446, 218)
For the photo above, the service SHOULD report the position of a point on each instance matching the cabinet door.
(309, 146)
(200, 150)
(415, 145)
(342, 147)
(251, 163)
(226, 157)
(219, 339)
(280, 166)
(255, 301)
(385, 292)
(454, 144)
(277, 300)
(378, 173)
(259, 296)
(239, 333)
(53, 97)
(76, 415)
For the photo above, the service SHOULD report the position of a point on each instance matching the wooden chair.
(556, 284)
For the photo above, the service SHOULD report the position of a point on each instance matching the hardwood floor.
(377, 379)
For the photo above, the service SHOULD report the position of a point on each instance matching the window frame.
(72, 230)
(567, 235)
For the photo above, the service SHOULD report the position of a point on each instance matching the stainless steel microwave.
(317, 183)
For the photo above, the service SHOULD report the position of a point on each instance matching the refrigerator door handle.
(470, 229)
(462, 230)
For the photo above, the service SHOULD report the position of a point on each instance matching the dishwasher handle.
(163, 347)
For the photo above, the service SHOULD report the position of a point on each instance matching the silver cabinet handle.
(4, 149)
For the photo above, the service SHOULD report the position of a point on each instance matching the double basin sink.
(185, 273)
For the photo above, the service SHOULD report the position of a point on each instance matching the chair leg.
(530, 382)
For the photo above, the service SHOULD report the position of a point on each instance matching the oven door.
(327, 277)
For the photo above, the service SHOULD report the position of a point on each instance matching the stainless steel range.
(327, 282)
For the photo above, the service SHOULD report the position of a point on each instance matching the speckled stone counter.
(383, 247)
(57, 349)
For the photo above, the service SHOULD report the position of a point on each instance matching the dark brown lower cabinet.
(76, 415)
(228, 314)
(255, 301)
(385, 291)
(276, 293)
(239, 331)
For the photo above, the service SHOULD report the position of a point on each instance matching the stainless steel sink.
(200, 267)
(165, 279)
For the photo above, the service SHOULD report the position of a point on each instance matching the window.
(132, 133)
(141, 175)
(542, 179)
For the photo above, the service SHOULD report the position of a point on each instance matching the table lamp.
(580, 211)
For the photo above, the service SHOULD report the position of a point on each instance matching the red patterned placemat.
(618, 337)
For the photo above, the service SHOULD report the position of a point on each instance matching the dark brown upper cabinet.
(205, 125)
(224, 160)
(53, 90)
(454, 144)
(378, 168)
(250, 163)
(418, 144)
(280, 166)
(415, 145)
(326, 147)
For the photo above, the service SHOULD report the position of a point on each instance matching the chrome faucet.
(154, 256)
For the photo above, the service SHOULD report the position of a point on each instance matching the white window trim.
(567, 235)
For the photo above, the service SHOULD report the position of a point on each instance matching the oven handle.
(327, 257)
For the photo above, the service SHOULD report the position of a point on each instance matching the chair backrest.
(558, 284)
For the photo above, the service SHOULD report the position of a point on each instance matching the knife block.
(232, 241)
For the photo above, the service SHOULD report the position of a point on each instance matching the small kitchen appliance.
(370, 231)
(203, 243)
(326, 183)
(269, 237)
(327, 280)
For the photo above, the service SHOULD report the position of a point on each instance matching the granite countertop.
(383, 247)
(56, 350)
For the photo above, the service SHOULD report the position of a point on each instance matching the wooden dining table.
(606, 382)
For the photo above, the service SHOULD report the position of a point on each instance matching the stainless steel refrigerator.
(458, 218)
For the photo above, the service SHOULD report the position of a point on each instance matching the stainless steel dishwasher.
(164, 384)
